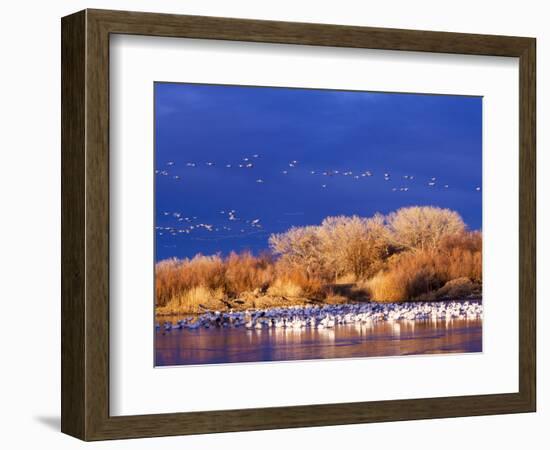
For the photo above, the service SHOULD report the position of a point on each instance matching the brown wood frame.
(85, 224)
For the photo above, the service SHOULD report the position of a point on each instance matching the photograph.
(296, 223)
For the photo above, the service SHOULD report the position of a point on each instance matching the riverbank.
(340, 294)
(327, 316)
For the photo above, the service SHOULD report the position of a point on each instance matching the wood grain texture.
(527, 224)
(151, 24)
(73, 227)
(85, 224)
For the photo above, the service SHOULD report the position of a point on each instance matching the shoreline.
(326, 315)
(252, 301)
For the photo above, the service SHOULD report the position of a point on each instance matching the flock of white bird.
(188, 224)
(329, 316)
(249, 162)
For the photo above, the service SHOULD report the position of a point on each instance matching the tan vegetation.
(423, 228)
(416, 253)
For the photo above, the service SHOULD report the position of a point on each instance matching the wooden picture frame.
(85, 224)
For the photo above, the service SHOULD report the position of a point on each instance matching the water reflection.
(228, 345)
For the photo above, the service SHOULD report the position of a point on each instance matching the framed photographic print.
(272, 225)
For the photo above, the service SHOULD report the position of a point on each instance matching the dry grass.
(195, 300)
(285, 288)
(423, 275)
(386, 287)
(245, 272)
(174, 277)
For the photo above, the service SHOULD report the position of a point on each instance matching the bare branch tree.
(423, 227)
(352, 244)
(300, 247)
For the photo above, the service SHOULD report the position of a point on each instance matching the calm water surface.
(230, 345)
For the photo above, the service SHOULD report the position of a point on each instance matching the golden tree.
(423, 228)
